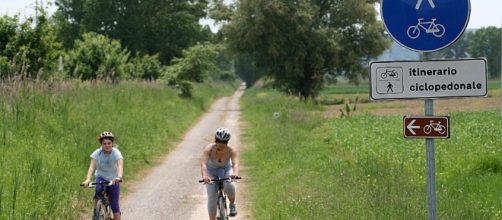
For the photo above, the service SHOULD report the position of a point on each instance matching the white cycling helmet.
(106, 134)
(222, 134)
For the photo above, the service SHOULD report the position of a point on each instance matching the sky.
(484, 13)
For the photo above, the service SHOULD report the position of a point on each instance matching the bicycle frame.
(432, 26)
(102, 209)
(221, 205)
(222, 202)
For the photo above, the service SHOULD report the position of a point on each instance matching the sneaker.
(233, 210)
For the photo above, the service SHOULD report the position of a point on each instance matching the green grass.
(49, 130)
(305, 167)
(346, 93)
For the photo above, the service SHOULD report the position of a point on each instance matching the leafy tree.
(486, 42)
(30, 48)
(8, 26)
(143, 26)
(196, 62)
(459, 49)
(97, 57)
(297, 42)
(245, 69)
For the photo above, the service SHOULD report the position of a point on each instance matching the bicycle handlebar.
(223, 179)
(103, 183)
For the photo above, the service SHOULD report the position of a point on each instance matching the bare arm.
(120, 171)
(120, 168)
(235, 161)
(203, 164)
(91, 169)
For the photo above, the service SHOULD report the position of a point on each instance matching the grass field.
(49, 130)
(304, 166)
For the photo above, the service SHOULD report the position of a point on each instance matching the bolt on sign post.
(424, 26)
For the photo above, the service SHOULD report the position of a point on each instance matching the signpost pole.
(431, 160)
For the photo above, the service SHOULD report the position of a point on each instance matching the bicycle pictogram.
(430, 27)
(437, 127)
(389, 72)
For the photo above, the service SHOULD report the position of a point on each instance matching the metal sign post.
(431, 158)
(424, 26)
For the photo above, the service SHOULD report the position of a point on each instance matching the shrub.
(97, 57)
(145, 67)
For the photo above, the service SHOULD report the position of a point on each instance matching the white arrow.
(411, 127)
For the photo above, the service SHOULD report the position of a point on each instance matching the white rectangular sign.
(428, 79)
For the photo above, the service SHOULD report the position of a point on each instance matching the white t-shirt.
(106, 165)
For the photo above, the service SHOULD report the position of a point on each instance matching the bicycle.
(391, 73)
(221, 210)
(437, 30)
(438, 127)
(102, 210)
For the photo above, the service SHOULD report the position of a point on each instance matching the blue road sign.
(425, 25)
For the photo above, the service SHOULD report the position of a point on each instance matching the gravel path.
(171, 190)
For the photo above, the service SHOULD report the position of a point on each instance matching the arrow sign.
(426, 126)
(410, 126)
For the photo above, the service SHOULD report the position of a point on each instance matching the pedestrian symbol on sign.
(419, 2)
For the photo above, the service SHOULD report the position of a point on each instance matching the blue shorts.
(113, 193)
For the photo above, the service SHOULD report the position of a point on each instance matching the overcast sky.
(483, 12)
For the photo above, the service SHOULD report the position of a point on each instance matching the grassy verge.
(306, 167)
(49, 130)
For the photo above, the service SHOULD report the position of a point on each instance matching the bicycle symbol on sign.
(392, 73)
(437, 127)
(437, 30)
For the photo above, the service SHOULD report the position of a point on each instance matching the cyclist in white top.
(107, 165)
(220, 160)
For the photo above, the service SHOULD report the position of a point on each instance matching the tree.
(485, 42)
(459, 49)
(28, 48)
(297, 42)
(196, 62)
(143, 26)
(97, 57)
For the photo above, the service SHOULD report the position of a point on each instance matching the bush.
(29, 48)
(197, 61)
(97, 57)
(145, 67)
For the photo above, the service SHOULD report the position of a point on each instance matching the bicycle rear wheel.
(222, 208)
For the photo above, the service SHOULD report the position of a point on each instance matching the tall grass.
(49, 130)
(361, 167)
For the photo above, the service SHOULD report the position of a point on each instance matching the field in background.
(304, 166)
(49, 130)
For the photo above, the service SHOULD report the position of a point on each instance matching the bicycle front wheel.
(101, 211)
(222, 209)
(413, 32)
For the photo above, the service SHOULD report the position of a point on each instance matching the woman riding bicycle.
(220, 160)
(108, 163)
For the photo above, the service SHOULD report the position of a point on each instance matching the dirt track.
(171, 190)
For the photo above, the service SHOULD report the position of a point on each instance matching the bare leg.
(232, 200)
